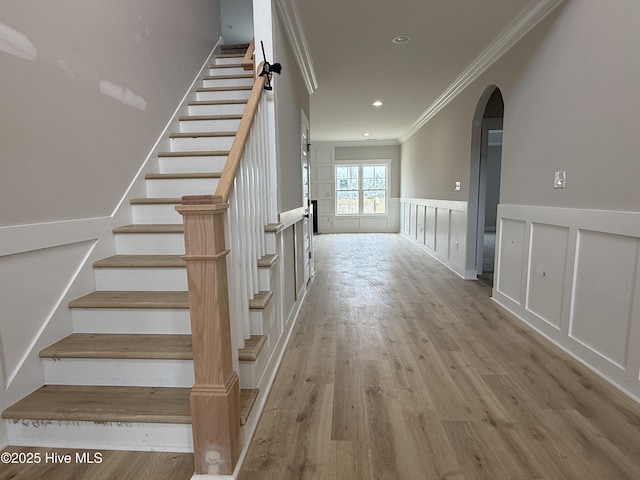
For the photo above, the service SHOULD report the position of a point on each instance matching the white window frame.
(360, 165)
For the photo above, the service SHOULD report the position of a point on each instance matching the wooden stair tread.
(147, 300)
(155, 201)
(223, 89)
(227, 65)
(151, 228)
(114, 404)
(230, 55)
(195, 153)
(141, 261)
(216, 102)
(228, 77)
(247, 400)
(182, 176)
(202, 134)
(104, 404)
(260, 300)
(252, 348)
(121, 346)
(268, 261)
(195, 118)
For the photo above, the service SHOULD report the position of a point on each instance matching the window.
(361, 189)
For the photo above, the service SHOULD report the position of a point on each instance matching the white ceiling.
(356, 63)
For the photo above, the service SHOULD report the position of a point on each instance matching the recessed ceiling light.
(367, 134)
(377, 103)
(401, 39)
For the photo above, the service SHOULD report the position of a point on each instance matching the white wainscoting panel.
(420, 212)
(604, 287)
(574, 275)
(510, 251)
(547, 268)
(439, 227)
(430, 227)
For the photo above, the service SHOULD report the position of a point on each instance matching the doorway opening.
(485, 183)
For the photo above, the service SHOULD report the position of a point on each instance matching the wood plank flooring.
(109, 465)
(398, 369)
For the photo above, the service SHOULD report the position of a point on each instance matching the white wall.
(84, 101)
(324, 158)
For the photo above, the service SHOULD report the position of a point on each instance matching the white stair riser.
(150, 244)
(250, 372)
(119, 372)
(229, 60)
(141, 279)
(158, 437)
(199, 144)
(227, 82)
(263, 320)
(176, 188)
(223, 95)
(197, 164)
(150, 214)
(196, 126)
(257, 324)
(270, 242)
(228, 70)
(134, 320)
(224, 109)
(264, 279)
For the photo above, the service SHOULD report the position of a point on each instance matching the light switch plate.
(559, 179)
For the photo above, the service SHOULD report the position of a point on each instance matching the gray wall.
(237, 21)
(69, 149)
(571, 103)
(494, 154)
(291, 96)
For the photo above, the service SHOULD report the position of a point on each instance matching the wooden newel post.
(215, 397)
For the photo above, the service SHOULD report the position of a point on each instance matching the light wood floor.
(397, 369)
(109, 465)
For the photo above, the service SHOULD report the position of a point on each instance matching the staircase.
(122, 380)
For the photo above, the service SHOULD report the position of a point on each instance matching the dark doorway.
(485, 168)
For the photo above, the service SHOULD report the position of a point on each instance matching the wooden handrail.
(248, 61)
(225, 184)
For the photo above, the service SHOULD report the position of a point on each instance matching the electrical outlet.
(559, 179)
(458, 186)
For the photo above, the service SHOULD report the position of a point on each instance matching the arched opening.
(484, 191)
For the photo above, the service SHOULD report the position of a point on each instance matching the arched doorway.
(484, 191)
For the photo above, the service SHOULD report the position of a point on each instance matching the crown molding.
(295, 32)
(500, 45)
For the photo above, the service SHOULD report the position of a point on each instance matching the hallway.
(398, 369)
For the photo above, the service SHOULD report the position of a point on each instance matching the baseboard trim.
(433, 254)
(583, 362)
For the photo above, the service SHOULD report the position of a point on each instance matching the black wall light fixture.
(268, 69)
